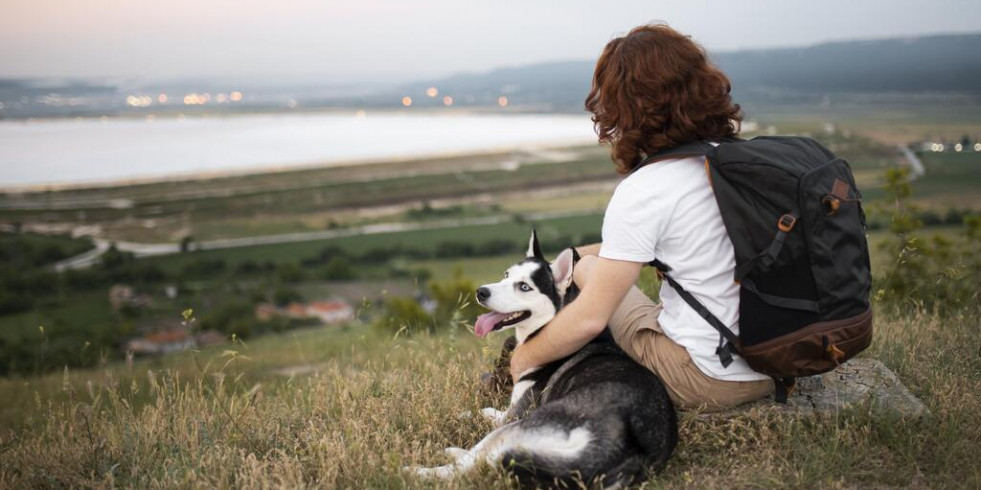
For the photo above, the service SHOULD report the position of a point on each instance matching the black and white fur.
(594, 417)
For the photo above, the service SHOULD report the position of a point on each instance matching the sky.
(400, 40)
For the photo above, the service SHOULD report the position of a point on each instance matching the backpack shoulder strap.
(727, 339)
(690, 149)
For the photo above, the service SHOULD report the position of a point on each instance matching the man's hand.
(518, 363)
(604, 283)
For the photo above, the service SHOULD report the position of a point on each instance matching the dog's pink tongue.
(485, 323)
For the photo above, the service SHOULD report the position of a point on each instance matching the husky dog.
(594, 417)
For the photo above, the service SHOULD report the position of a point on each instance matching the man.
(654, 89)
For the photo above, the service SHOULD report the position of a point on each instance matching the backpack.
(794, 215)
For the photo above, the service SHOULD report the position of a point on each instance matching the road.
(91, 257)
(916, 167)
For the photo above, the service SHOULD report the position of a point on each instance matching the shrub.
(248, 267)
(289, 273)
(453, 308)
(283, 296)
(940, 272)
(339, 269)
(403, 314)
(230, 318)
(454, 300)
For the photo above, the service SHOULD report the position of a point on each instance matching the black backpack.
(794, 215)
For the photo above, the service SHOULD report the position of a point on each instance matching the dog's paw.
(456, 452)
(442, 472)
(494, 415)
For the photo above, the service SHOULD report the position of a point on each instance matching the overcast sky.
(399, 40)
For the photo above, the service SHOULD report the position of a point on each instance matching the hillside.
(346, 408)
(933, 64)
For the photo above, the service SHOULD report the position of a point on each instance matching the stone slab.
(859, 382)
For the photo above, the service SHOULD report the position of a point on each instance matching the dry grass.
(373, 404)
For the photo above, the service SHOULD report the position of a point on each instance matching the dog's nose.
(482, 293)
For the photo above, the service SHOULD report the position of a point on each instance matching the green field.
(426, 239)
(298, 200)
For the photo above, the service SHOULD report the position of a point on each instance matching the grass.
(224, 418)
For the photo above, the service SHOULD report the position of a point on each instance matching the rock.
(859, 382)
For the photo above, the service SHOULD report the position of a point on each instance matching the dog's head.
(530, 294)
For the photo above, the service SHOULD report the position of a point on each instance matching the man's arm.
(604, 284)
(592, 249)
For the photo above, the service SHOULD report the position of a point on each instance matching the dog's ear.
(534, 249)
(562, 270)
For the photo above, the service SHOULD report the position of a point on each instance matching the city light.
(977, 147)
(407, 101)
(196, 99)
(502, 101)
(235, 96)
(138, 100)
(447, 100)
(958, 147)
(221, 98)
(432, 92)
(162, 98)
(360, 114)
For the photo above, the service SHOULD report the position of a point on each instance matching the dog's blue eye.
(524, 287)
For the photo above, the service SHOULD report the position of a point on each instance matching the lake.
(67, 151)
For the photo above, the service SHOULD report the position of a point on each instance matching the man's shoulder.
(664, 175)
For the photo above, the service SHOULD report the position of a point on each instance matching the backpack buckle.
(786, 223)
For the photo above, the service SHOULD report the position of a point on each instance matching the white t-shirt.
(666, 210)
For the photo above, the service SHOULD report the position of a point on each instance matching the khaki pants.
(636, 331)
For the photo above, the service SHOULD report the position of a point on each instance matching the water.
(93, 150)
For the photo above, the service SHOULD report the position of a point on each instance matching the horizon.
(273, 81)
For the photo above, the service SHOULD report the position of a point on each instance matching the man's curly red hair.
(654, 89)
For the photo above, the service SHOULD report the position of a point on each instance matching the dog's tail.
(555, 456)
(534, 470)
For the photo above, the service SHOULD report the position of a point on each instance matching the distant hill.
(950, 63)
(942, 63)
